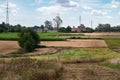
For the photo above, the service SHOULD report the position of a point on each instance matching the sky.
(36, 12)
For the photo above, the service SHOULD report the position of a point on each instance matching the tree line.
(99, 28)
(107, 28)
(10, 28)
(18, 28)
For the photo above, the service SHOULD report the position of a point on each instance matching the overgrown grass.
(113, 42)
(108, 64)
(29, 69)
(83, 54)
(78, 54)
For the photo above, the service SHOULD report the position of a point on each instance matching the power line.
(7, 13)
(91, 24)
(80, 20)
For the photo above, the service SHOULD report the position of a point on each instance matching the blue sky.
(35, 12)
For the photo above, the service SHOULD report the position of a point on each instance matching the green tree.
(2, 27)
(58, 21)
(89, 30)
(29, 40)
(62, 29)
(103, 28)
(68, 29)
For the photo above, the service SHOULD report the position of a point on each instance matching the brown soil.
(76, 43)
(89, 71)
(49, 50)
(8, 46)
(104, 33)
(11, 46)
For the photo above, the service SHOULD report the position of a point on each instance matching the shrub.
(28, 40)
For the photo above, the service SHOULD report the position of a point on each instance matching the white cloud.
(98, 13)
(115, 4)
(52, 9)
(108, 17)
(67, 3)
(73, 3)
(87, 7)
(11, 5)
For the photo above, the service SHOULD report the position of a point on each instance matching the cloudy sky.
(35, 12)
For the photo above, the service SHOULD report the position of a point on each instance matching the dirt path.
(89, 71)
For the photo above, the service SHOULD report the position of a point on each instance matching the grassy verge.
(113, 42)
(29, 69)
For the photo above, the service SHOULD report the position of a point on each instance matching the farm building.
(79, 28)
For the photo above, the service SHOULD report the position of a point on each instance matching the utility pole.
(7, 14)
(91, 24)
(80, 20)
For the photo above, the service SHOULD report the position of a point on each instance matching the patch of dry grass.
(29, 69)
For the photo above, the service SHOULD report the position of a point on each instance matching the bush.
(28, 40)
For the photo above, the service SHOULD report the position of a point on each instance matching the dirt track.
(10, 46)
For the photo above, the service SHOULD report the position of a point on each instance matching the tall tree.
(103, 28)
(58, 21)
(68, 29)
(48, 24)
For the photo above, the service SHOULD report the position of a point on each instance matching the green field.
(49, 36)
(92, 53)
(78, 53)
(113, 42)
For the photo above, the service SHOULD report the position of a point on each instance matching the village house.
(79, 28)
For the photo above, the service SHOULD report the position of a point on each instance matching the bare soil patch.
(104, 33)
(8, 46)
(76, 43)
(11, 46)
(48, 50)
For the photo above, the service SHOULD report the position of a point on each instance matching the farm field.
(101, 35)
(73, 59)
(10, 46)
(49, 36)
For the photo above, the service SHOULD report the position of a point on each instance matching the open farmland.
(74, 59)
(10, 46)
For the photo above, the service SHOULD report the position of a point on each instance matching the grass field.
(49, 36)
(78, 53)
(113, 42)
